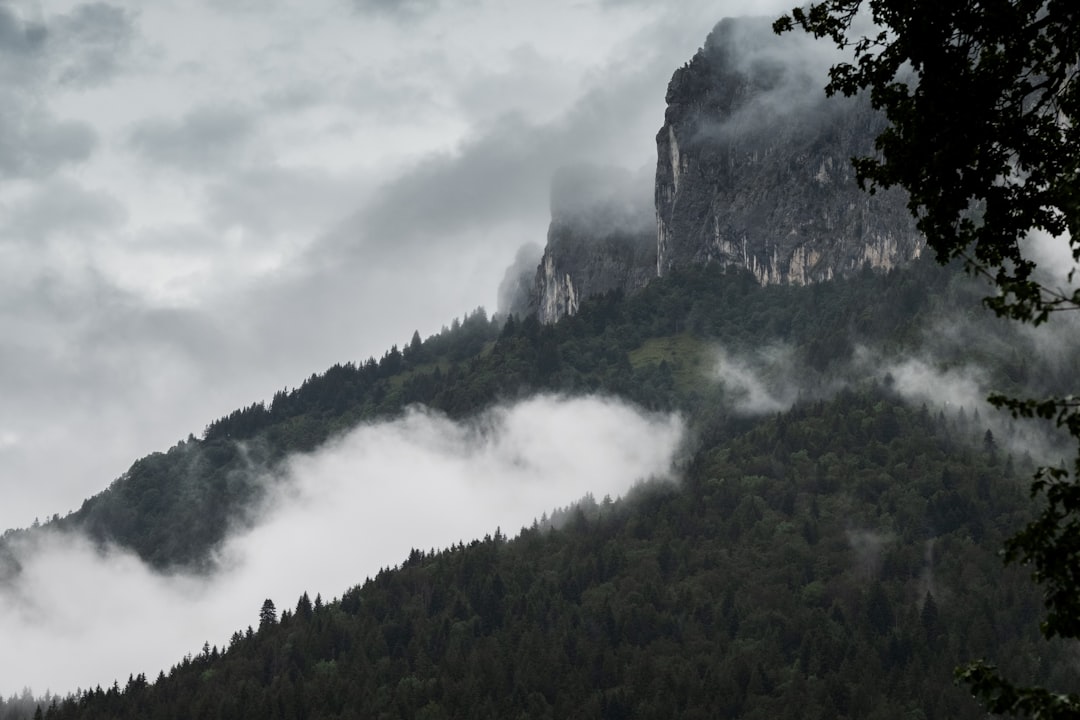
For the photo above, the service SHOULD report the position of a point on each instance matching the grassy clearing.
(688, 357)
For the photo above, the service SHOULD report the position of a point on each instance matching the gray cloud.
(35, 145)
(110, 375)
(504, 172)
(403, 9)
(78, 355)
(59, 206)
(787, 75)
(91, 41)
(271, 198)
(19, 38)
(82, 49)
(603, 199)
(205, 139)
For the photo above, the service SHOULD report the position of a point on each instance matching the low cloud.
(515, 290)
(961, 391)
(76, 618)
(868, 548)
(786, 75)
(950, 389)
(759, 382)
(600, 200)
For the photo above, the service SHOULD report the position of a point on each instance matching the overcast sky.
(202, 202)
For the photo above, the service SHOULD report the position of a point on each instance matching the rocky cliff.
(753, 165)
(578, 263)
(602, 238)
(753, 169)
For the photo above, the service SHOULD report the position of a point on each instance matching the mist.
(788, 75)
(947, 373)
(758, 382)
(600, 200)
(76, 618)
(515, 290)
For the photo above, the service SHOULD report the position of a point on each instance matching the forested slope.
(834, 561)
(172, 508)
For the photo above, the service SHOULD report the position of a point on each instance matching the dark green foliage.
(172, 508)
(790, 574)
(984, 111)
(835, 560)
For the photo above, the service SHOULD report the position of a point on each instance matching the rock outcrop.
(602, 238)
(753, 169)
(578, 263)
(753, 166)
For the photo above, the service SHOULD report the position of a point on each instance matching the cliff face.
(753, 166)
(753, 169)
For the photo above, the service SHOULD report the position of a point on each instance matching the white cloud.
(76, 618)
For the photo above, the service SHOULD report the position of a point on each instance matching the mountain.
(833, 552)
(789, 575)
(753, 170)
(832, 549)
(829, 547)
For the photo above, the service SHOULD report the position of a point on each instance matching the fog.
(77, 618)
(759, 382)
(944, 372)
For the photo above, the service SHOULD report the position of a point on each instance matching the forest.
(838, 558)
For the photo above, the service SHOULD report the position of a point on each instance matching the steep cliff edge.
(753, 166)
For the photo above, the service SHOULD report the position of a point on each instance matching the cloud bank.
(76, 618)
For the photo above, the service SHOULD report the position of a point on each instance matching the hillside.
(825, 557)
(173, 508)
(835, 561)
(824, 543)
